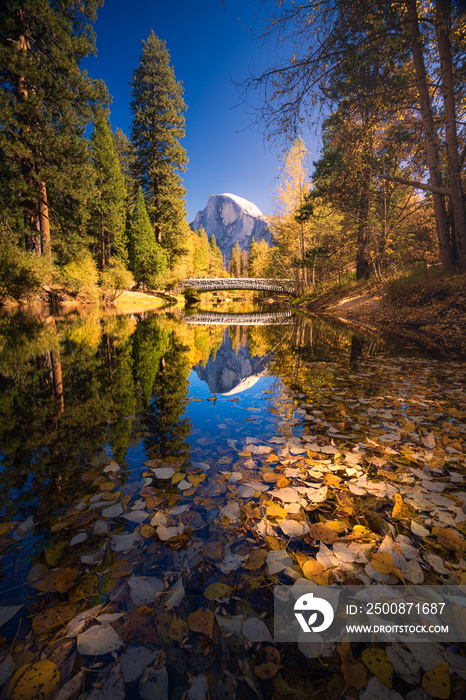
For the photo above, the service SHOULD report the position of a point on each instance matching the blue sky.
(209, 44)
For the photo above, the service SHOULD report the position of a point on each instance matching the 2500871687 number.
(404, 608)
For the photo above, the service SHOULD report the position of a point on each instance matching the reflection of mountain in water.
(231, 372)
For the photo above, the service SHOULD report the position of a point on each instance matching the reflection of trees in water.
(72, 387)
(306, 353)
(47, 439)
(167, 430)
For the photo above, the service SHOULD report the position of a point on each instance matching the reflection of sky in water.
(225, 417)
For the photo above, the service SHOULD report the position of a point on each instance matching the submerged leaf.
(256, 630)
(98, 640)
(202, 621)
(33, 681)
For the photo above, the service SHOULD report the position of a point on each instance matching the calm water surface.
(122, 438)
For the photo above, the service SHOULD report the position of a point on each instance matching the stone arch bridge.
(214, 284)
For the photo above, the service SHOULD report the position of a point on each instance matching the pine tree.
(147, 259)
(158, 108)
(216, 258)
(109, 212)
(252, 258)
(235, 261)
(46, 103)
(125, 152)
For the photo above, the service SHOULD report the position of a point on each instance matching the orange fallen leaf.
(202, 621)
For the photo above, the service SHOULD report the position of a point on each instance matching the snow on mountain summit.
(248, 207)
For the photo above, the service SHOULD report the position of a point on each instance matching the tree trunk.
(363, 267)
(109, 358)
(102, 240)
(45, 224)
(443, 29)
(430, 134)
(57, 379)
(156, 202)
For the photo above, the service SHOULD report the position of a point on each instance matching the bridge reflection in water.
(215, 284)
(213, 318)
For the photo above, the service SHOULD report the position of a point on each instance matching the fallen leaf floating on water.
(256, 630)
(436, 682)
(293, 528)
(378, 663)
(144, 590)
(134, 661)
(353, 671)
(231, 511)
(316, 571)
(40, 679)
(98, 640)
(339, 500)
(7, 612)
(202, 621)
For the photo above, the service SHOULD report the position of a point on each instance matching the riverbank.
(430, 310)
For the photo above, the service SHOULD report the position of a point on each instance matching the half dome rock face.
(231, 218)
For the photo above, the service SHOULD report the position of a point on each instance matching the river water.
(137, 458)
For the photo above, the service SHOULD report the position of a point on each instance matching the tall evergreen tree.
(46, 103)
(252, 258)
(125, 153)
(109, 211)
(147, 259)
(158, 108)
(235, 261)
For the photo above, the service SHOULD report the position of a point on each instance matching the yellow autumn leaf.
(196, 479)
(276, 511)
(436, 682)
(54, 552)
(256, 559)
(270, 477)
(51, 618)
(401, 511)
(146, 530)
(330, 479)
(315, 571)
(383, 563)
(378, 663)
(33, 681)
(86, 588)
(338, 526)
(273, 542)
(267, 671)
(178, 629)
(65, 580)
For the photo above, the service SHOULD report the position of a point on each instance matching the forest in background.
(97, 214)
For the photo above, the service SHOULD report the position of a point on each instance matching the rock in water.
(231, 218)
